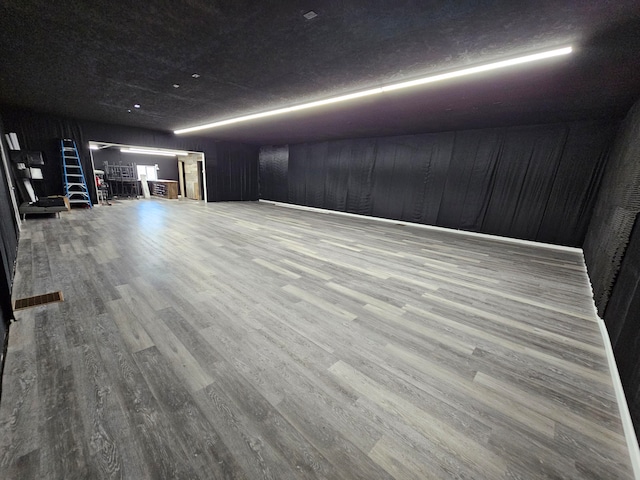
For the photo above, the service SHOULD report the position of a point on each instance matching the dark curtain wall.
(8, 247)
(167, 166)
(616, 209)
(235, 172)
(272, 178)
(535, 182)
(232, 169)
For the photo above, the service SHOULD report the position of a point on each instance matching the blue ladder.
(75, 185)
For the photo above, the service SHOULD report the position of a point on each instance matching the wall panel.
(618, 204)
(612, 254)
(622, 318)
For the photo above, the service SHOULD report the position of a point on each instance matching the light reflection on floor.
(151, 216)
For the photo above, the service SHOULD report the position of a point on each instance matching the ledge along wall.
(530, 182)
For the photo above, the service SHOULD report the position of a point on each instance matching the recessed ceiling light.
(310, 14)
(137, 105)
(387, 88)
(175, 85)
(196, 75)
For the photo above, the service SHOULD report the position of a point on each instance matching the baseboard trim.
(516, 241)
(625, 416)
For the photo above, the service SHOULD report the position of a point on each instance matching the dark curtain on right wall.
(535, 182)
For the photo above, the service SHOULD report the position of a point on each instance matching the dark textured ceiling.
(94, 60)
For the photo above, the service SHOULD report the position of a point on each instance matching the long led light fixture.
(163, 153)
(388, 88)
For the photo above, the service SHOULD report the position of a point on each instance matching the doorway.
(192, 177)
(186, 169)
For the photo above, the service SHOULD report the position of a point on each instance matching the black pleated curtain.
(535, 183)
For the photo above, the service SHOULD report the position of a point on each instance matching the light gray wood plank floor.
(246, 340)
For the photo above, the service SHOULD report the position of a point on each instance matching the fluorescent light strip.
(163, 153)
(397, 86)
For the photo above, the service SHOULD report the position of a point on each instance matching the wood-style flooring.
(251, 341)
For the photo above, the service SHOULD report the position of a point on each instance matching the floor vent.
(29, 302)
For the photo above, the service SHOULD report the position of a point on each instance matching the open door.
(193, 177)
